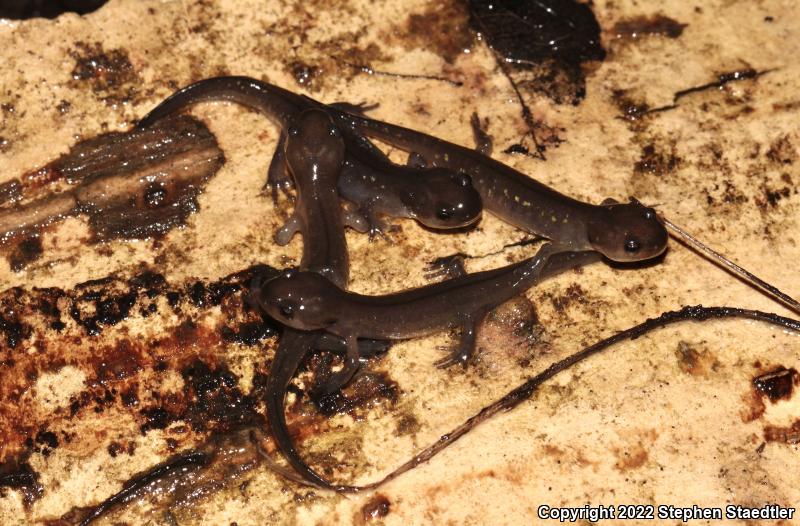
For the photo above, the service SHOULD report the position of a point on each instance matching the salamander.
(622, 232)
(436, 197)
(307, 301)
(314, 151)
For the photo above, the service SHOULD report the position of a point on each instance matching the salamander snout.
(448, 200)
(300, 300)
(628, 232)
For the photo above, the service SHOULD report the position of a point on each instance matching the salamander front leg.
(376, 226)
(355, 220)
(447, 267)
(360, 108)
(288, 230)
(338, 379)
(278, 172)
(465, 350)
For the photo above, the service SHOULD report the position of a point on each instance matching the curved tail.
(269, 100)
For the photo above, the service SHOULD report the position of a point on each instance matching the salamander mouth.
(438, 224)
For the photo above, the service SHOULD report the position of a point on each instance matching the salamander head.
(314, 145)
(627, 232)
(446, 200)
(301, 300)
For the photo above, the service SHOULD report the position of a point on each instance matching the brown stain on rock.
(777, 384)
(656, 162)
(16, 473)
(635, 454)
(110, 73)
(786, 434)
(631, 108)
(754, 406)
(407, 424)
(782, 151)
(86, 328)
(631, 458)
(553, 451)
(24, 252)
(695, 362)
(574, 294)
(443, 28)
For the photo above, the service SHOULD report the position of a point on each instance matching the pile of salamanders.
(324, 151)
(342, 179)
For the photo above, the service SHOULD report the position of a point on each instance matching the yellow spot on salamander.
(526, 203)
(516, 199)
(554, 219)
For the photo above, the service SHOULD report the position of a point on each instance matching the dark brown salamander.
(621, 232)
(306, 301)
(314, 151)
(438, 314)
(436, 197)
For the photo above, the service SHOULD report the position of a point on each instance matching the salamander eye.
(287, 311)
(632, 246)
(444, 212)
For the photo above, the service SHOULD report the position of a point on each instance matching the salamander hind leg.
(340, 378)
(366, 348)
(464, 351)
(483, 141)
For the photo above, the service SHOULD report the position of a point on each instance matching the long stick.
(729, 265)
(527, 389)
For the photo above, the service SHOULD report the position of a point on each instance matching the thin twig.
(729, 265)
(518, 395)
